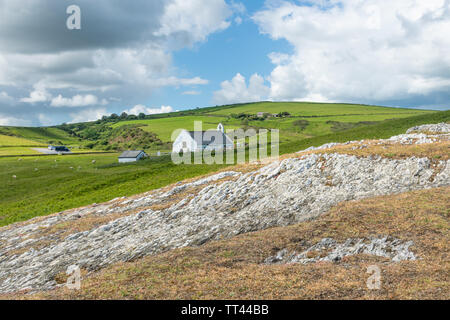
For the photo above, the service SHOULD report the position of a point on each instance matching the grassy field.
(234, 269)
(28, 151)
(44, 185)
(316, 109)
(321, 118)
(380, 130)
(306, 120)
(166, 126)
(13, 141)
(18, 151)
(35, 186)
(39, 136)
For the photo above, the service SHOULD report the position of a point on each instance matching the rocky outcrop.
(221, 206)
(430, 128)
(330, 250)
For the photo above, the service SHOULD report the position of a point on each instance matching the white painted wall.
(191, 145)
(126, 160)
(184, 136)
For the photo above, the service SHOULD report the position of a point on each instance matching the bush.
(300, 124)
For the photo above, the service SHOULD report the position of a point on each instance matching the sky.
(156, 56)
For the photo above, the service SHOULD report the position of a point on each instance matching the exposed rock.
(322, 147)
(330, 250)
(229, 203)
(412, 138)
(431, 128)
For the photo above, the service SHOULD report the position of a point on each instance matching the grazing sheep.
(93, 161)
(14, 177)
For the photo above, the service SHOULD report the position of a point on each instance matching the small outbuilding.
(58, 148)
(132, 156)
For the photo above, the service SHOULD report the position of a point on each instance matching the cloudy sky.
(164, 55)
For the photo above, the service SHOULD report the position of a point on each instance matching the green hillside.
(298, 121)
(34, 186)
(13, 141)
(305, 120)
(166, 126)
(307, 109)
(39, 135)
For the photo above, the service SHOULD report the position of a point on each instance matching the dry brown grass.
(435, 151)
(232, 269)
(438, 151)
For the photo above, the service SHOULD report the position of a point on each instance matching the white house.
(194, 141)
(132, 156)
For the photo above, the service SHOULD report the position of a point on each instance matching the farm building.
(58, 148)
(194, 141)
(132, 156)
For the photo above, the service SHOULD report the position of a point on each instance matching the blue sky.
(166, 55)
(239, 48)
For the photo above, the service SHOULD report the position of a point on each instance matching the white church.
(195, 141)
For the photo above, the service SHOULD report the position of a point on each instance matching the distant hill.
(64, 182)
(296, 121)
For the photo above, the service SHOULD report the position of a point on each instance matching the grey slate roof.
(214, 138)
(130, 154)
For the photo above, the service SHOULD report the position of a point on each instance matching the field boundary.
(46, 155)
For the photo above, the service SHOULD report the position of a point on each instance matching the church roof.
(213, 138)
(130, 154)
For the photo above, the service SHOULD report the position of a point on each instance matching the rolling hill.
(304, 120)
(36, 186)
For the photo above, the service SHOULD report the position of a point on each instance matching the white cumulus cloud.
(143, 109)
(351, 50)
(5, 97)
(124, 51)
(192, 92)
(88, 115)
(6, 120)
(236, 90)
(76, 101)
(192, 21)
(39, 94)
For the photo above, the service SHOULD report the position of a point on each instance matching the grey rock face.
(431, 128)
(388, 247)
(279, 194)
(413, 138)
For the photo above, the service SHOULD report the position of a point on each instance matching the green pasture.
(36, 186)
(315, 109)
